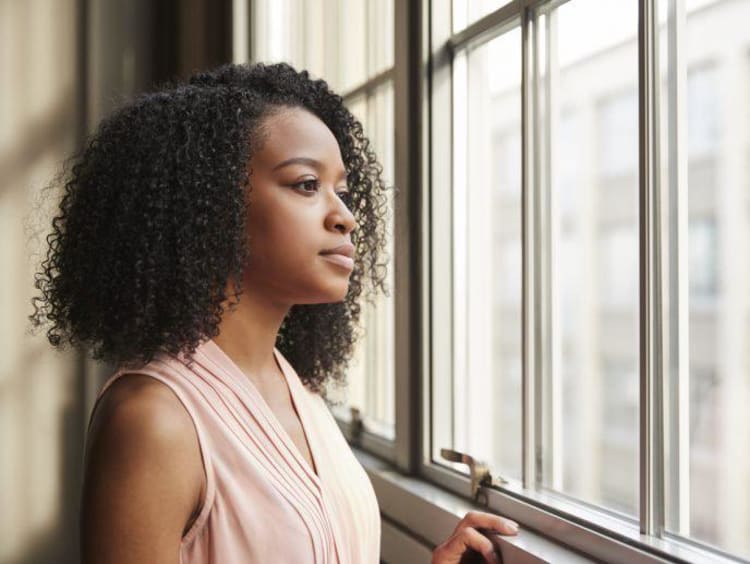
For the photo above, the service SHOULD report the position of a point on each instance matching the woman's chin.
(332, 295)
(338, 297)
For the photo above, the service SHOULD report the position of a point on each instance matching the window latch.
(479, 472)
(356, 425)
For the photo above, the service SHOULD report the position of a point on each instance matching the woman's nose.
(340, 217)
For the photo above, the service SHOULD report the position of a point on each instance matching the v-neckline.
(314, 470)
(298, 409)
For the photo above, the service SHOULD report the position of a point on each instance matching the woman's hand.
(467, 538)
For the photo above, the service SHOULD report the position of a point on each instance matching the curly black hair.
(150, 232)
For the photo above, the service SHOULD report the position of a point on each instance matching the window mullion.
(552, 465)
(677, 397)
(407, 245)
(439, 199)
(529, 259)
(486, 27)
(540, 222)
(371, 84)
(651, 388)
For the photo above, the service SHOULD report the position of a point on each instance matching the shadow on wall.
(58, 541)
(41, 404)
(70, 62)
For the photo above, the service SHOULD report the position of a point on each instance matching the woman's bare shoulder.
(138, 406)
(143, 473)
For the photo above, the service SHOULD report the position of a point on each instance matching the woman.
(213, 242)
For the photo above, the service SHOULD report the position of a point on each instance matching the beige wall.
(40, 413)
(65, 64)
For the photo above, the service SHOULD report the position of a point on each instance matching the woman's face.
(296, 215)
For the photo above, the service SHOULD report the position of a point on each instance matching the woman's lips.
(340, 260)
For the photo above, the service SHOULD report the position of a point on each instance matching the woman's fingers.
(468, 536)
(460, 543)
(488, 521)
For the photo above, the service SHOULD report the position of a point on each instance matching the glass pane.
(315, 47)
(352, 32)
(276, 33)
(487, 255)
(355, 392)
(589, 164)
(371, 376)
(343, 41)
(379, 326)
(705, 118)
(303, 33)
(466, 12)
(380, 40)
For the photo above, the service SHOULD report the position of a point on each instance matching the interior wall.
(40, 413)
(65, 64)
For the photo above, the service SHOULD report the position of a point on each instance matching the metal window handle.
(357, 424)
(479, 472)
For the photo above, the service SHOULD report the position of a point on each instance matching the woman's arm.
(143, 478)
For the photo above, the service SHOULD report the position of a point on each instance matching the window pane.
(354, 394)
(705, 121)
(316, 46)
(486, 387)
(353, 38)
(466, 12)
(378, 345)
(380, 41)
(589, 115)
(371, 376)
(343, 41)
(277, 31)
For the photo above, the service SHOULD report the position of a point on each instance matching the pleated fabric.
(264, 503)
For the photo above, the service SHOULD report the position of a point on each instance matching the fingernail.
(514, 528)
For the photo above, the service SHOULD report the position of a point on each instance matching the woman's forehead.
(293, 133)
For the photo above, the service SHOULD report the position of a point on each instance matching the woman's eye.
(308, 186)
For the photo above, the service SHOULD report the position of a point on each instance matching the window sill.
(428, 514)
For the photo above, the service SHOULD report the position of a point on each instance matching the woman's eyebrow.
(314, 163)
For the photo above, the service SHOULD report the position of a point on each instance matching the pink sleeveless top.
(263, 501)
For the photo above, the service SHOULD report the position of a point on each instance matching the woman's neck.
(247, 334)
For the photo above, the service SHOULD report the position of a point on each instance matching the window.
(590, 259)
(617, 124)
(703, 123)
(371, 374)
(588, 136)
(618, 288)
(482, 414)
(541, 111)
(705, 172)
(350, 44)
(702, 269)
(347, 42)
